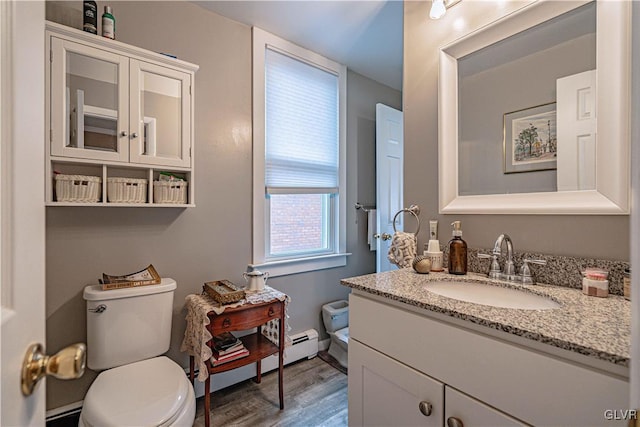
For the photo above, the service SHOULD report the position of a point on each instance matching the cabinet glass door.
(160, 115)
(89, 109)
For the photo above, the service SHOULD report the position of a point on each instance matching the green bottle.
(108, 23)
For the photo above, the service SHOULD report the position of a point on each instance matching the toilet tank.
(335, 315)
(127, 325)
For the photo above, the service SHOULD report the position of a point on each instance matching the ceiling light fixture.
(439, 7)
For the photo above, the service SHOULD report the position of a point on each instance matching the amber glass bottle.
(457, 251)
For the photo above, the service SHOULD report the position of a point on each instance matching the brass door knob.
(67, 364)
(454, 422)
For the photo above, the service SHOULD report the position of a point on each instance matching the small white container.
(126, 190)
(78, 188)
(595, 288)
(437, 260)
(170, 192)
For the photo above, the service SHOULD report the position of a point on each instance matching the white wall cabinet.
(400, 356)
(115, 110)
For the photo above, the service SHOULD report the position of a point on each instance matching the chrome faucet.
(509, 271)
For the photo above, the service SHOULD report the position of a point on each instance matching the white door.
(389, 179)
(634, 400)
(576, 131)
(22, 212)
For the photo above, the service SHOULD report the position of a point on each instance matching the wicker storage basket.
(126, 190)
(170, 191)
(78, 188)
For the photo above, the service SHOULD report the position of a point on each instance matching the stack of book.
(226, 347)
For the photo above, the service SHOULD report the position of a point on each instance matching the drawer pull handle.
(454, 422)
(271, 311)
(226, 322)
(425, 407)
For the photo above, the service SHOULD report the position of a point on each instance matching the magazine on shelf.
(225, 341)
(229, 357)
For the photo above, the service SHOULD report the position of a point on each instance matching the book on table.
(243, 352)
(229, 350)
(225, 340)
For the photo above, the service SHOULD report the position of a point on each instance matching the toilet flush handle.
(99, 309)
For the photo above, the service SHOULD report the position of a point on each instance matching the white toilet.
(127, 330)
(335, 316)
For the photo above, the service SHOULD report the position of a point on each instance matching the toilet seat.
(343, 335)
(151, 392)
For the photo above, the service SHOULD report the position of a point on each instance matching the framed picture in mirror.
(530, 139)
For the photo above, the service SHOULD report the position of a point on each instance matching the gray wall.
(212, 240)
(605, 237)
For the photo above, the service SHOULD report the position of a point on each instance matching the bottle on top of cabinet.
(457, 251)
(108, 23)
(90, 16)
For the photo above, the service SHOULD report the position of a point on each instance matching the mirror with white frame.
(512, 98)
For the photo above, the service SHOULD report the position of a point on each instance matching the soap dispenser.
(457, 251)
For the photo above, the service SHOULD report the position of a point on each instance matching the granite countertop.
(595, 327)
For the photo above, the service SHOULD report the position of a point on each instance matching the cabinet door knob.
(425, 407)
(134, 135)
(123, 133)
(454, 422)
(226, 322)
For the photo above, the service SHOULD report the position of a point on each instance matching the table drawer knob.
(271, 311)
(226, 322)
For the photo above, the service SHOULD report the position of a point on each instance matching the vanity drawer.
(234, 320)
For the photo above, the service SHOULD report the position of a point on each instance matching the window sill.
(301, 265)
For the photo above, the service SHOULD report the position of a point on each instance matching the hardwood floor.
(315, 394)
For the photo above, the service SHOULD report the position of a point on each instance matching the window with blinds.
(299, 177)
(301, 127)
(301, 154)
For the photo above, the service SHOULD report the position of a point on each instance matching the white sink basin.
(494, 296)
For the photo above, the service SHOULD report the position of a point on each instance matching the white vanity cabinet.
(390, 393)
(393, 394)
(400, 356)
(115, 110)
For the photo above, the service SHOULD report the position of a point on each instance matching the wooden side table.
(246, 316)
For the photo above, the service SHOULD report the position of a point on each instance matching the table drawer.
(247, 318)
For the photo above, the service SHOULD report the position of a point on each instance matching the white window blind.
(302, 127)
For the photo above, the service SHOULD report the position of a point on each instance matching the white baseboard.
(324, 344)
(63, 411)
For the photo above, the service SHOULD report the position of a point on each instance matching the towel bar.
(364, 208)
(413, 210)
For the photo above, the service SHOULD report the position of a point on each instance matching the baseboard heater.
(303, 344)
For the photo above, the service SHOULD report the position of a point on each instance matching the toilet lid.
(146, 393)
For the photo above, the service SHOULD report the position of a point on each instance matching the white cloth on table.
(403, 249)
(196, 335)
